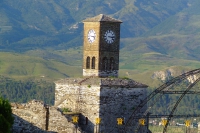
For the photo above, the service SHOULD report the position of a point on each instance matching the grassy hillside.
(54, 65)
(46, 37)
(22, 66)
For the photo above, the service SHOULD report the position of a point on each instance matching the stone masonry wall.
(80, 98)
(58, 122)
(37, 117)
(107, 99)
(100, 73)
(29, 116)
(118, 102)
(93, 98)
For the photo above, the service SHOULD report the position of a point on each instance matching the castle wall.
(118, 102)
(93, 98)
(29, 117)
(34, 116)
(79, 98)
(66, 96)
(59, 123)
(107, 99)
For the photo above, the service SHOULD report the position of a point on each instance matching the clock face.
(91, 36)
(109, 36)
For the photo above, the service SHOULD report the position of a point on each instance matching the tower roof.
(102, 18)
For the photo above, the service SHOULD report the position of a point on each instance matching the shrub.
(6, 118)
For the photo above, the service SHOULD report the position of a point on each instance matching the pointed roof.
(102, 18)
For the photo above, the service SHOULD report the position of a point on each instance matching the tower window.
(105, 63)
(112, 62)
(88, 63)
(93, 62)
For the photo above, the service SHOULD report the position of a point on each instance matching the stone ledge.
(128, 83)
(71, 113)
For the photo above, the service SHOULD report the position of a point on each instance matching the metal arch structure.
(178, 101)
(161, 88)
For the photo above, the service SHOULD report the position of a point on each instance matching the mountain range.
(46, 36)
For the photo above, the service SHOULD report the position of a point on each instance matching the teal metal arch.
(158, 90)
(178, 101)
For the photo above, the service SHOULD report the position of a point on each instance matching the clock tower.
(101, 46)
(97, 100)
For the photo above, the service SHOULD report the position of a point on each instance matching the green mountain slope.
(156, 35)
(21, 66)
(174, 42)
(37, 24)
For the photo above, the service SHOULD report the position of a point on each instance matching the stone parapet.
(29, 116)
(36, 117)
(59, 123)
(102, 82)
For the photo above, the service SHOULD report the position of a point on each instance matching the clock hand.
(92, 36)
(111, 36)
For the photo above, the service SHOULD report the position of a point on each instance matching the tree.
(6, 118)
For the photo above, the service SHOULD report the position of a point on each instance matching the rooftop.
(102, 18)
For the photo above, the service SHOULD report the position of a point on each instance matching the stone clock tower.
(100, 98)
(101, 46)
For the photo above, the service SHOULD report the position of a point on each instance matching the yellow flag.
(119, 121)
(142, 122)
(164, 122)
(75, 119)
(98, 120)
(187, 123)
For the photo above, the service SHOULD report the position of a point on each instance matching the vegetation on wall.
(6, 118)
